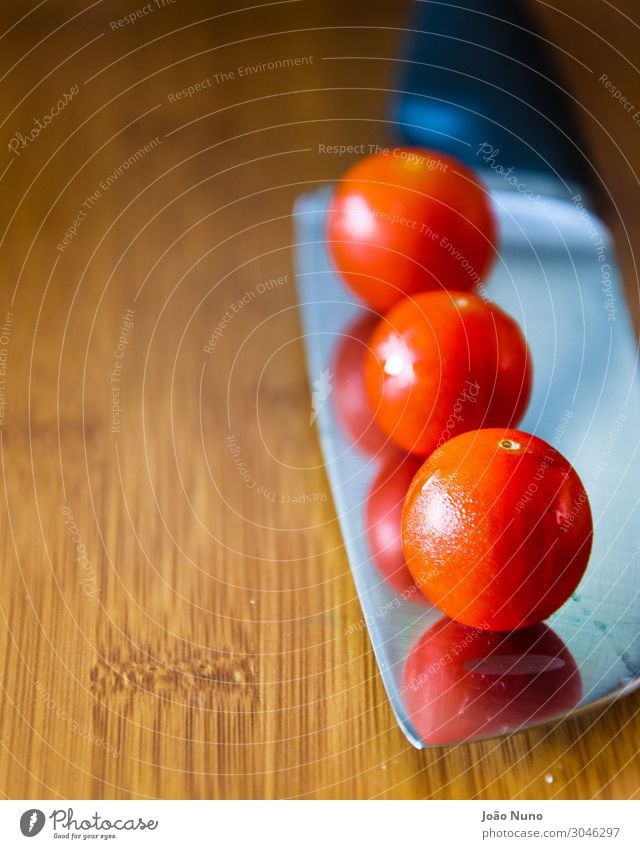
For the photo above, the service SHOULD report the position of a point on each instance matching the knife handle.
(478, 81)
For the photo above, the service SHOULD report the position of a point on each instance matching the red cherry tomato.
(383, 520)
(349, 397)
(408, 221)
(460, 683)
(497, 529)
(442, 363)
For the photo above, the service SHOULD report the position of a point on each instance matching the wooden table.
(176, 600)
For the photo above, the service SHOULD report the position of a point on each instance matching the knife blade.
(557, 275)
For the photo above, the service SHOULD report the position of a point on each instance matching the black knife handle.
(478, 81)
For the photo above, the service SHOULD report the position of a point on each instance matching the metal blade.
(557, 276)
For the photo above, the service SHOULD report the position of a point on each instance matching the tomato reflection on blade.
(461, 683)
(349, 397)
(383, 520)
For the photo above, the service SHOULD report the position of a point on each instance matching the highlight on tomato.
(441, 363)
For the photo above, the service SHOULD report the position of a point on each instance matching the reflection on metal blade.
(556, 275)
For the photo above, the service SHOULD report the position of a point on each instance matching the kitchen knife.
(478, 83)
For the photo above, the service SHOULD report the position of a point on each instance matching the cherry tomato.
(407, 221)
(497, 529)
(383, 515)
(460, 683)
(349, 398)
(441, 363)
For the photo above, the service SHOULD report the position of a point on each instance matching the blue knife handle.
(477, 78)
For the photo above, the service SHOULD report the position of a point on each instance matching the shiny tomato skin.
(410, 220)
(441, 363)
(460, 683)
(497, 529)
(383, 521)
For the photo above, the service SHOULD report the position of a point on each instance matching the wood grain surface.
(175, 597)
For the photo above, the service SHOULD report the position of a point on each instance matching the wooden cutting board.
(177, 613)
